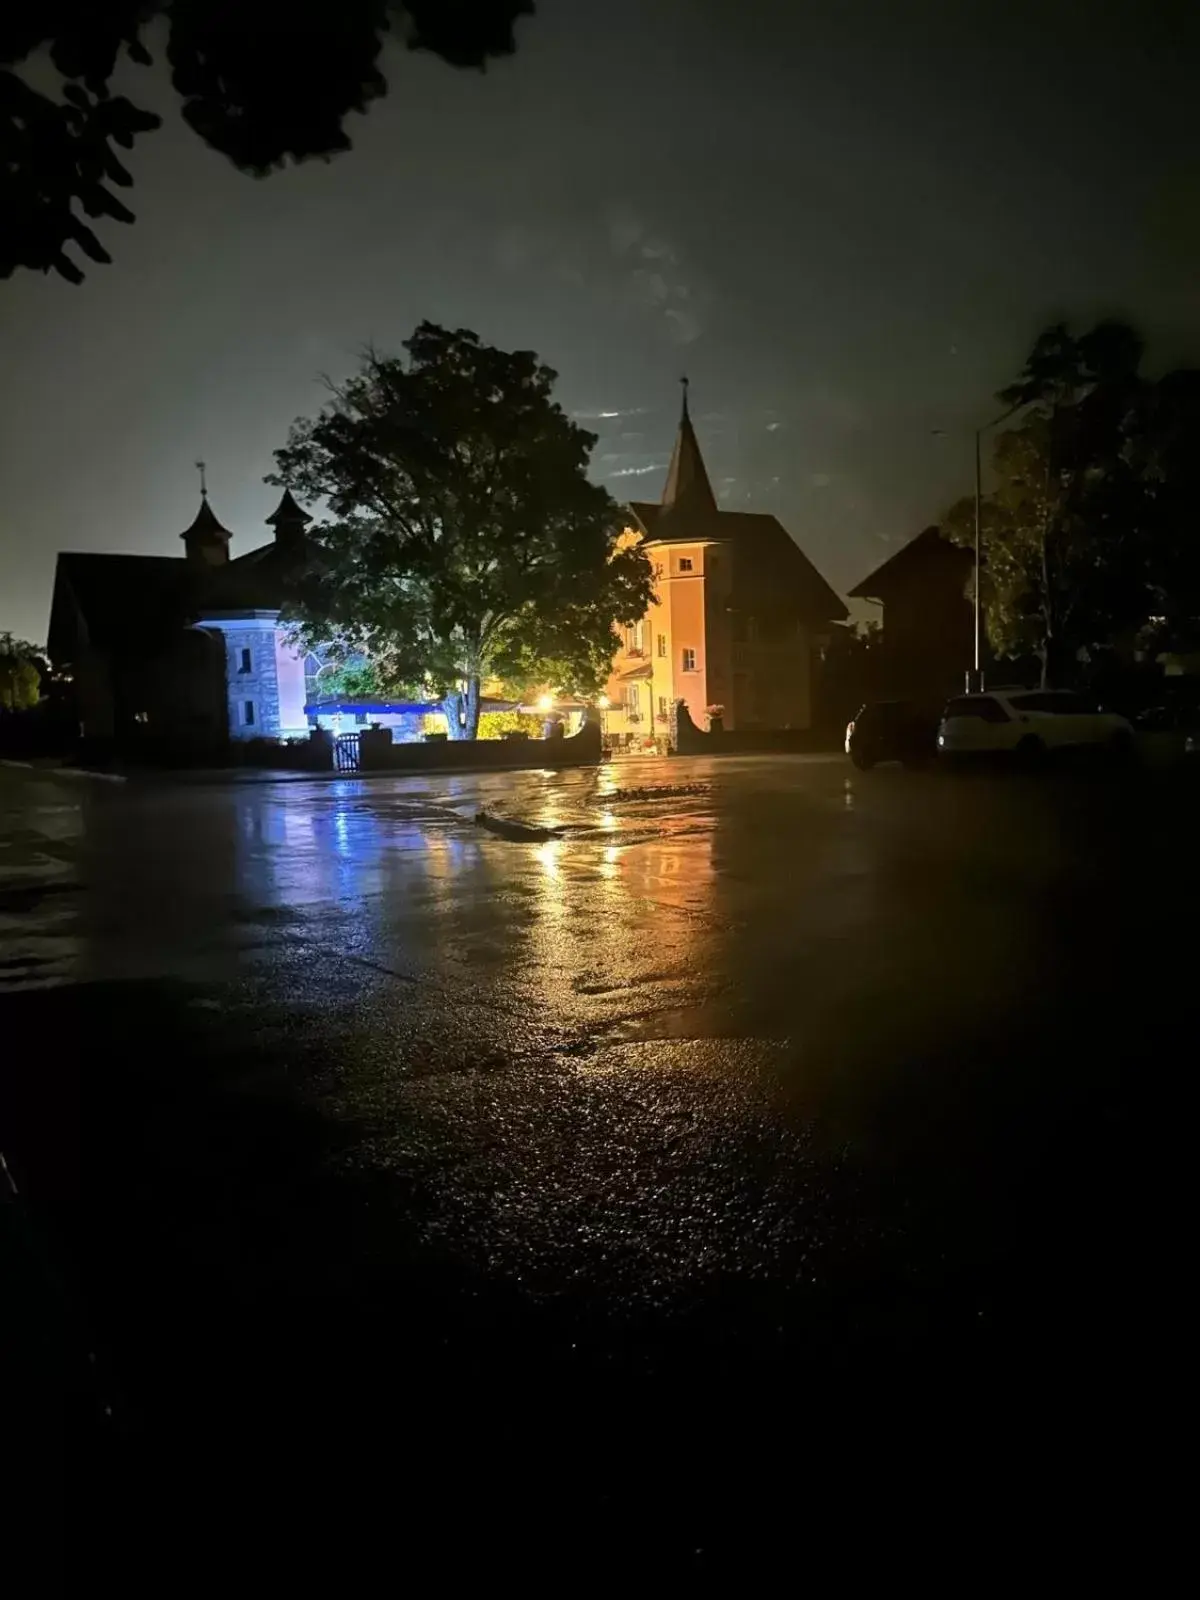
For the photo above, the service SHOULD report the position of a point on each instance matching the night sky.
(844, 221)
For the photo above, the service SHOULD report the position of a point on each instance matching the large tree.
(465, 541)
(1066, 535)
(262, 81)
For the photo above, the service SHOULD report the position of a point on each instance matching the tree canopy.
(20, 674)
(465, 541)
(262, 81)
(1088, 528)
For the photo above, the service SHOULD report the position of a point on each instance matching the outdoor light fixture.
(545, 703)
(603, 702)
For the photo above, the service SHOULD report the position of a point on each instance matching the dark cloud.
(845, 222)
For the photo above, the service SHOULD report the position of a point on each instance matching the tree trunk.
(461, 710)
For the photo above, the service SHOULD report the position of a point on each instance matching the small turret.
(289, 522)
(206, 541)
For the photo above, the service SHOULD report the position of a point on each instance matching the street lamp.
(974, 683)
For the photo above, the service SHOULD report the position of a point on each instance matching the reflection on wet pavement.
(784, 1068)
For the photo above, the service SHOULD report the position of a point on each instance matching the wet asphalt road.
(571, 1185)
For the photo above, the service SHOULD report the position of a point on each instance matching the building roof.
(688, 493)
(205, 525)
(766, 544)
(121, 598)
(688, 512)
(133, 602)
(287, 511)
(927, 557)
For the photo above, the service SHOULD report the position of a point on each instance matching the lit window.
(662, 645)
(247, 662)
(685, 563)
(248, 713)
(689, 660)
(141, 716)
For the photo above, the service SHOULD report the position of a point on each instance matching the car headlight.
(941, 738)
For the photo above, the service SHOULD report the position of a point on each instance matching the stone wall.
(251, 681)
(479, 755)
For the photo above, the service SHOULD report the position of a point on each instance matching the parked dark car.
(891, 730)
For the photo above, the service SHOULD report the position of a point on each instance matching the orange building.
(738, 615)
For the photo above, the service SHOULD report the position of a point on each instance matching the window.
(247, 661)
(639, 638)
(689, 659)
(248, 713)
(360, 718)
(633, 704)
(662, 705)
(662, 645)
(976, 705)
(685, 563)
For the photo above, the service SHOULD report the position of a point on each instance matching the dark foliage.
(262, 81)
(1089, 528)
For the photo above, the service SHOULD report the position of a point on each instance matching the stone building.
(183, 653)
(737, 621)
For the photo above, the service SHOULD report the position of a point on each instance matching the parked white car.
(1028, 723)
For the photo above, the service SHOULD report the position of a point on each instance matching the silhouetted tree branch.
(262, 81)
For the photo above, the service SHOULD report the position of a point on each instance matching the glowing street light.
(603, 702)
(545, 702)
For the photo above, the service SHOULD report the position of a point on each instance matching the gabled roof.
(133, 602)
(123, 599)
(928, 557)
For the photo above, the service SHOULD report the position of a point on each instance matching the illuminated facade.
(738, 616)
(183, 651)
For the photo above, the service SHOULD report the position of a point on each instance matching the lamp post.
(974, 676)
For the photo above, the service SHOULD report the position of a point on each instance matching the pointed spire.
(688, 491)
(289, 521)
(287, 514)
(206, 540)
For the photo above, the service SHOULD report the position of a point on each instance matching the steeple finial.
(688, 493)
(202, 468)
